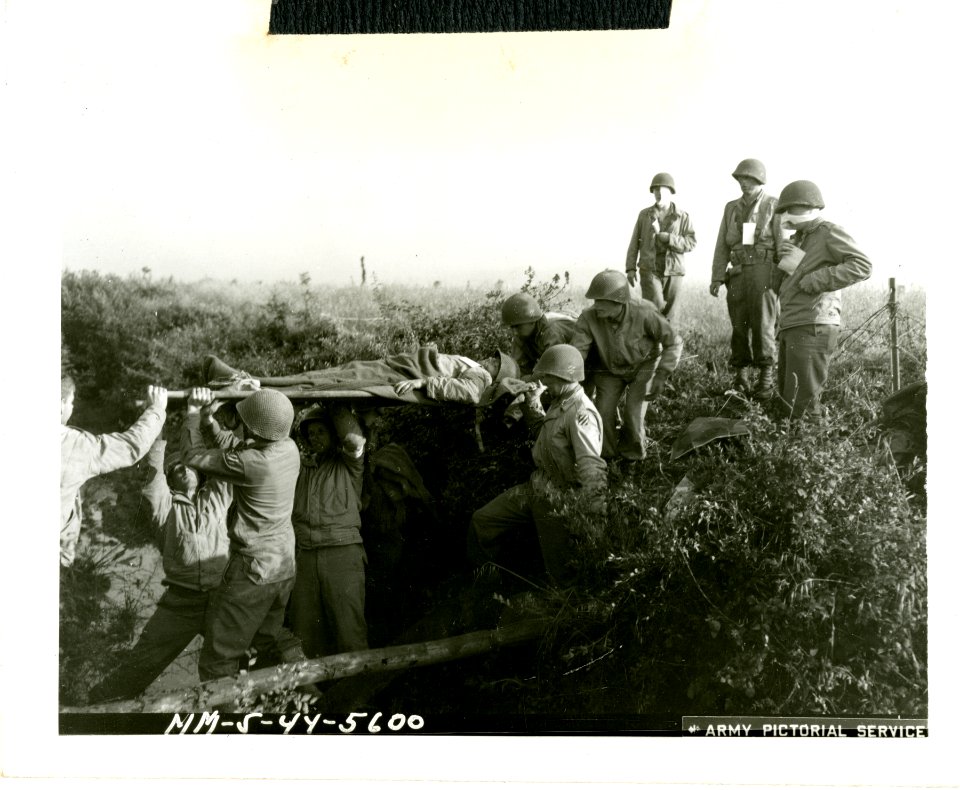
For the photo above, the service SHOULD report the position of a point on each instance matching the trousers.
(630, 441)
(327, 602)
(754, 308)
(663, 291)
(179, 617)
(516, 520)
(803, 366)
(242, 614)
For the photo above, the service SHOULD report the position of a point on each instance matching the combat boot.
(742, 380)
(764, 388)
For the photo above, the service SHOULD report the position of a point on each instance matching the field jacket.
(326, 505)
(552, 330)
(567, 450)
(661, 253)
(640, 336)
(264, 477)
(192, 533)
(85, 455)
(831, 261)
(730, 247)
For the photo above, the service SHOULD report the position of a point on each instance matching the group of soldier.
(783, 266)
(260, 525)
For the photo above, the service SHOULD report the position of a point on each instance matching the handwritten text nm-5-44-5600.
(210, 723)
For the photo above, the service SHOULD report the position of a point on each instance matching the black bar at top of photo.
(464, 16)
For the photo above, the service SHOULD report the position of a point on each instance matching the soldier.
(85, 455)
(327, 602)
(533, 330)
(247, 609)
(819, 260)
(566, 455)
(190, 521)
(637, 349)
(662, 234)
(748, 242)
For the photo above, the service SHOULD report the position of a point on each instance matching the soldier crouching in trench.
(566, 455)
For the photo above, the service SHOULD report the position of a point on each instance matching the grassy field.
(793, 581)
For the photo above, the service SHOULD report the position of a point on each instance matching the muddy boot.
(741, 381)
(764, 388)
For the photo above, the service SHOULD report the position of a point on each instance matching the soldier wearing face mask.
(819, 260)
(661, 235)
(744, 261)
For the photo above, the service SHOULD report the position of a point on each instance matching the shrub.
(792, 582)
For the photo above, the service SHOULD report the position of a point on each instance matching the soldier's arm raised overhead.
(156, 491)
(348, 430)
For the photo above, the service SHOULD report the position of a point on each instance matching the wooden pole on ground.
(227, 691)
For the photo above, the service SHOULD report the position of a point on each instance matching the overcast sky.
(216, 151)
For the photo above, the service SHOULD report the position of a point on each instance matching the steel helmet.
(562, 361)
(611, 285)
(316, 413)
(753, 168)
(663, 180)
(520, 308)
(800, 193)
(267, 413)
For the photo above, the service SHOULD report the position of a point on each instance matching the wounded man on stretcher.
(441, 377)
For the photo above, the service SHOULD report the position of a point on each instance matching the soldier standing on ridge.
(819, 260)
(662, 234)
(748, 242)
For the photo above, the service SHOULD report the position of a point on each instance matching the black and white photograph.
(507, 406)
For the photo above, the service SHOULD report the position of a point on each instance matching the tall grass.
(712, 607)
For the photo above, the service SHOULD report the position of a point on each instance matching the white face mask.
(794, 219)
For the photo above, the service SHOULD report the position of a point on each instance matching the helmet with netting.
(267, 413)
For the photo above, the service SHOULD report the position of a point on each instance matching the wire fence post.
(894, 335)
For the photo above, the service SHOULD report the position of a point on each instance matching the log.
(226, 691)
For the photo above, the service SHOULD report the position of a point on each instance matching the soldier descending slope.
(566, 455)
(637, 349)
(819, 260)
(533, 330)
(747, 243)
(661, 235)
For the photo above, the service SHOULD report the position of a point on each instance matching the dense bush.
(792, 581)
